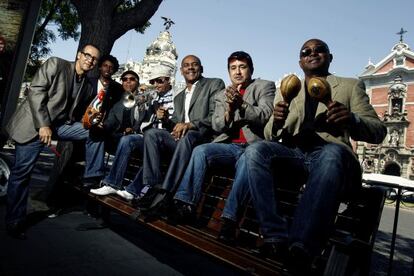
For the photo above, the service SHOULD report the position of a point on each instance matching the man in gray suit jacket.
(58, 97)
(240, 114)
(189, 126)
(312, 140)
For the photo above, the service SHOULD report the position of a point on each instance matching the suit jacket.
(259, 97)
(350, 92)
(201, 105)
(49, 101)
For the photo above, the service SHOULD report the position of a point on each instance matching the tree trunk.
(102, 25)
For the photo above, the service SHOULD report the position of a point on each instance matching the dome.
(163, 44)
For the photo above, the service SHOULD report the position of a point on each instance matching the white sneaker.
(125, 195)
(105, 190)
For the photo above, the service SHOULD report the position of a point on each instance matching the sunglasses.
(129, 78)
(89, 57)
(319, 49)
(159, 81)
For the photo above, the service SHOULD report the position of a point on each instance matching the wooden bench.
(348, 252)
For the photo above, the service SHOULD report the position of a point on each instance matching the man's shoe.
(105, 190)
(91, 182)
(145, 202)
(16, 230)
(125, 194)
(300, 261)
(278, 251)
(228, 231)
(184, 214)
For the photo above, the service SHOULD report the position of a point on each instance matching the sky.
(272, 32)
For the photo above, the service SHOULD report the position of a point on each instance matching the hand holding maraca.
(337, 113)
(289, 88)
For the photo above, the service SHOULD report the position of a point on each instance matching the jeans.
(127, 144)
(331, 170)
(160, 146)
(212, 156)
(26, 156)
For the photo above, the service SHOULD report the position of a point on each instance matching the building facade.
(161, 51)
(390, 86)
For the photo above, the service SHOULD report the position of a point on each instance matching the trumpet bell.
(129, 100)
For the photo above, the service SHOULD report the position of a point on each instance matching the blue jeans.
(127, 144)
(160, 147)
(26, 155)
(210, 156)
(331, 170)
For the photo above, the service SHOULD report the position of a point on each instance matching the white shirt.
(188, 95)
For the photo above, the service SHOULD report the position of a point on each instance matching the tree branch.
(133, 18)
(52, 12)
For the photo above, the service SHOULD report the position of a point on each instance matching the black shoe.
(162, 206)
(146, 201)
(16, 230)
(300, 261)
(184, 213)
(91, 182)
(228, 231)
(275, 250)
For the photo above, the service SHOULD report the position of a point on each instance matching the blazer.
(49, 101)
(201, 105)
(350, 92)
(259, 97)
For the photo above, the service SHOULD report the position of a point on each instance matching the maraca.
(290, 87)
(320, 89)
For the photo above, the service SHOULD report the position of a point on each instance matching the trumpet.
(129, 100)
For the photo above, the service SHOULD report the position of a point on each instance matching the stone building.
(161, 51)
(390, 85)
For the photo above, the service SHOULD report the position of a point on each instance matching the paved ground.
(56, 247)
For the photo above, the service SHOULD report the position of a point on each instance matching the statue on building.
(167, 22)
(396, 108)
(394, 138)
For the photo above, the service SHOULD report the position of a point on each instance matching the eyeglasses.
(129, 78)
(319, 49)
(158, 80)
(89, 57)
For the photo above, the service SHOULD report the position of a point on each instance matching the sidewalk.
(55, 247)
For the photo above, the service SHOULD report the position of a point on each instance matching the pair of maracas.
(318, 88)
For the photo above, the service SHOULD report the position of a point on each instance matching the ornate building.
(390, 85)
(161, 51)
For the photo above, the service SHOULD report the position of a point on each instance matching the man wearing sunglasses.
(189, 126)
(58, 97)
(310, 142)
(123, 126)
(131, 131)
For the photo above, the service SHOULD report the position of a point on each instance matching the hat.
(240, 55)
(160, 71)
(130, 72)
